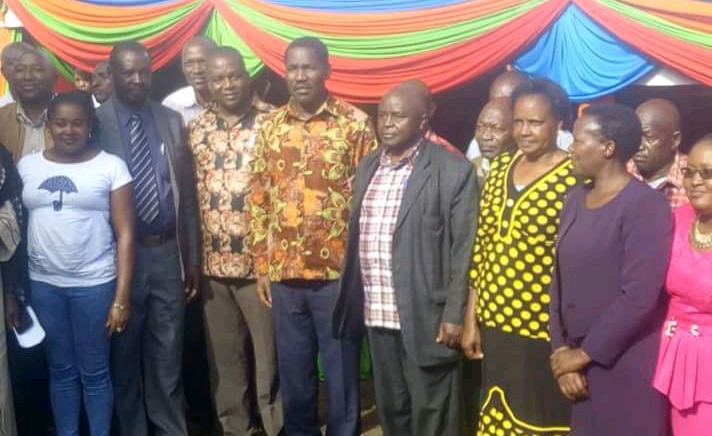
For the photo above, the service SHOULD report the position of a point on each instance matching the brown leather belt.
(153, 240)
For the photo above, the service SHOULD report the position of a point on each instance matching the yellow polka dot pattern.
(513, 253)
(497, 419)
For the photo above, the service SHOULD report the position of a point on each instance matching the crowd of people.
(573, 264)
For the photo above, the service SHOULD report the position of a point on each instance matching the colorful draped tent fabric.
(581, 56)
(592, 47)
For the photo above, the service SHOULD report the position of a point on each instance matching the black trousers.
(412, 400)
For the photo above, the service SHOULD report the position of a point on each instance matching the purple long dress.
(608, 299)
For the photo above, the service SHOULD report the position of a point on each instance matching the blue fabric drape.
(583, 58)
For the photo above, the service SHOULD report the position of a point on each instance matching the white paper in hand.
(34, 335)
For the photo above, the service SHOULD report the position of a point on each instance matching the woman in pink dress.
(684, 370)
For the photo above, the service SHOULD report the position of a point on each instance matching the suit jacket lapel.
(418, 178)
(113, 136)
(163, 129)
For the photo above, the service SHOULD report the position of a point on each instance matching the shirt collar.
(124, 112)
(330, 105)
(407, 159)
(24, 119)
(256, 107)
(674, 176)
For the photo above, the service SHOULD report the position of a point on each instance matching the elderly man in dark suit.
(146, 357)
(405, 275)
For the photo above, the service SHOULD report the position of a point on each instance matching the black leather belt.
(153, 240)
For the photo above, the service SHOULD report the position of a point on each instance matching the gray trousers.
(413, 400)
(7, 409)
(146, 357)
(234, 317)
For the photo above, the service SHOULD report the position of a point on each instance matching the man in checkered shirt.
(405, 275)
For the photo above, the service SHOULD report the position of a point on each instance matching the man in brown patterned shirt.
(305, 158)
(222, 140)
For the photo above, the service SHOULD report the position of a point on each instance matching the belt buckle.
(671, 328)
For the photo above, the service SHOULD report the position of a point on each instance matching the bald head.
(33, 77)
(402, 118)
(660, 112)
(660, 121)
(420, 89)
(494, 128)
(506, 83)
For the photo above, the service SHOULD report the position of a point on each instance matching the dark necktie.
(144, 174)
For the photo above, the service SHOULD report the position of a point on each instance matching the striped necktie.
(143, 171)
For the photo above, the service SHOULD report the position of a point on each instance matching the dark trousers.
(236, 320)
(302, 318)
(412, 400)
(146, 357)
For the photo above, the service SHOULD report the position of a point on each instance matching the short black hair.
(553, 93)
(227, 51)
(311, 43)
(620, 124)
(80, 99)
(124, 46)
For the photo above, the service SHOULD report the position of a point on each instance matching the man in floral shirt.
(305, 158)
(222, 140)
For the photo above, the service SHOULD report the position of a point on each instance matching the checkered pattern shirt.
(672, 186)
(379, 213)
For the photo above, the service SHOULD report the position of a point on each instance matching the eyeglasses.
(690, 173)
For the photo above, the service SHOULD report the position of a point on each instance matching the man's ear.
(676, 139)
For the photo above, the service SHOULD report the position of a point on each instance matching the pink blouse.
(684, 369)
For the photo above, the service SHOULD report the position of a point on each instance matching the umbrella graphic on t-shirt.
(58, 183)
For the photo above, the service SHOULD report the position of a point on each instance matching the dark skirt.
(623, 401)
(519, 394)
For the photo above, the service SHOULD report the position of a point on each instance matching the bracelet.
(121, 307)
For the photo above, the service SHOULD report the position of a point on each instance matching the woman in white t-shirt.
(80, 250)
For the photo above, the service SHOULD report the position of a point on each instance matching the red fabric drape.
(365, 80)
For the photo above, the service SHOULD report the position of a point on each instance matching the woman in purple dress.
(607, 300)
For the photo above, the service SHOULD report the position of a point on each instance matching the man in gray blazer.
(405, 274)
(146, 357)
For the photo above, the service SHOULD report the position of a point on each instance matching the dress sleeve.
(646, 235)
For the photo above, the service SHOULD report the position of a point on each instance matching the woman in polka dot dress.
(513, 257)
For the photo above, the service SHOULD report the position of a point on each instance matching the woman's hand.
(574, 386)
(566, 360)
(118, 317)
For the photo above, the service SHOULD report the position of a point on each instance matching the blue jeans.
(78, 350)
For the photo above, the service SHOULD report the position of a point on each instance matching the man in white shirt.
(192, 99)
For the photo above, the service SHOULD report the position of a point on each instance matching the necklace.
(699, 240)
